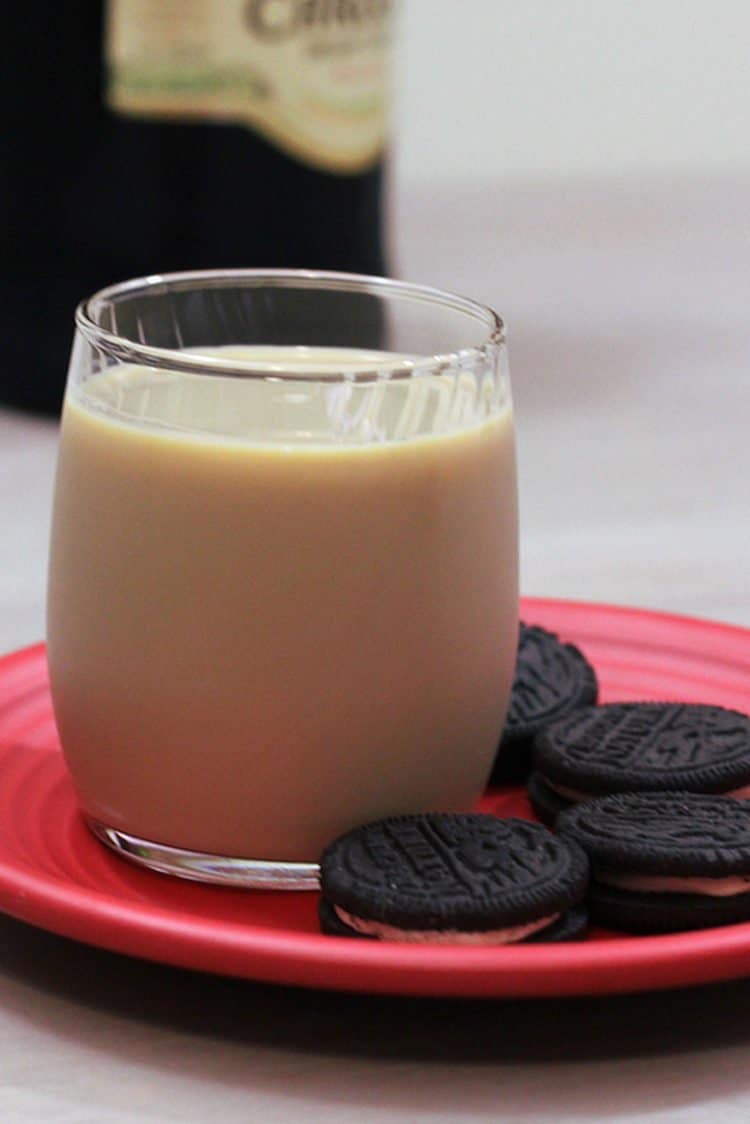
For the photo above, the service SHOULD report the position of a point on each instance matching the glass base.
(219, 870)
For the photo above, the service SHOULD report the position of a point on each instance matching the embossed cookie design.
(662, 862)
(458, 879)
(551, 679)
(639, 747)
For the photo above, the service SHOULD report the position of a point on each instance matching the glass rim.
(128, 350)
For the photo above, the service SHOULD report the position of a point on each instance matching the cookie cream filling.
(575, 795)
(384, 932)
(663, 884)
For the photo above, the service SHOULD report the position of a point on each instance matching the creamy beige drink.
(256, 644)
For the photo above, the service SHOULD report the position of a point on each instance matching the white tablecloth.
(629, 329)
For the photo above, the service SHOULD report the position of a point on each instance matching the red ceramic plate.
(55, 875)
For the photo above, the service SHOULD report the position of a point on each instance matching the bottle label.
(311, 75)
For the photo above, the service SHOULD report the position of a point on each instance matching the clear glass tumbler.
(283, 585)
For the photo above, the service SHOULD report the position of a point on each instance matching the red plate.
(55, 875)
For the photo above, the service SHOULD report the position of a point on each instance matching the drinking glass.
(283, 585)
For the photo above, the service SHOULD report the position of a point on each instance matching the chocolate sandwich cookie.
(662, 862)
(453, 879)
(551, 680)
(639, 747)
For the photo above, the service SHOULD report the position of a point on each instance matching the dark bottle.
(147, 136)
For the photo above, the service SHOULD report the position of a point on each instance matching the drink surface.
(272, 615)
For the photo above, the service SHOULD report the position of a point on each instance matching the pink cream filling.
(662, 884)
(576, 796)
(443, 936)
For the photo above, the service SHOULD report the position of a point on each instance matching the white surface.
(27, 463)
(627, 312)
(500, 88)
(630, 347)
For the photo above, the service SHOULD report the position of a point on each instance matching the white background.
(557, 88)
(584, 167)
